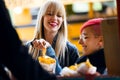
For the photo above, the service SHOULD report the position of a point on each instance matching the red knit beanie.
(96, 21)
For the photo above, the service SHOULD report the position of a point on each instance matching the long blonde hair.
(62, 32)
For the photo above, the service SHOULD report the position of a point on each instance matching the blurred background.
(24, 14)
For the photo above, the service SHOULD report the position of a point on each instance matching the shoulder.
(71, 46)
(72, 49)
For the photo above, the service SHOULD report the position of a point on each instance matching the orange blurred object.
(46, 59)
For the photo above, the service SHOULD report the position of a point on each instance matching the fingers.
(40, 44)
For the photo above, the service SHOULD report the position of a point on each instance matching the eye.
(59, 15)
(85, 37)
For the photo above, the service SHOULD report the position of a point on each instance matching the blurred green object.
(69, 10)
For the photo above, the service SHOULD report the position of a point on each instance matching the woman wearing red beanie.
(91, 40)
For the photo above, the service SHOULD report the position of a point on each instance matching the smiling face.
(53, 18)
(89, 41)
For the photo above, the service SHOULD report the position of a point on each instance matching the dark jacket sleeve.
(73, 53)
(15, 56)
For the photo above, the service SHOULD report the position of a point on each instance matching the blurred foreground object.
(111, 37)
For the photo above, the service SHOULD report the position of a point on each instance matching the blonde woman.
(52, 27)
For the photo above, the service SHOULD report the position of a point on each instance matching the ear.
(101, 42)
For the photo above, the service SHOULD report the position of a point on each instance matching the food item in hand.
(73, 67)
(67, 72)
(43, 51)
(86, 67)
(46, 59)
(47, 63)
(82, 68)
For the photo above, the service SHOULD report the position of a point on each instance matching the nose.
(80, 41)
(54, 17)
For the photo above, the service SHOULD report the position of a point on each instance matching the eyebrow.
(84, 34)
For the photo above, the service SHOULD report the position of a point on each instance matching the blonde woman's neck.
(49, 36)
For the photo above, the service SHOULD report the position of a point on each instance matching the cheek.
(96, 43)
(87, 42)
(94, 46)
(45, 21)
(60, 20)
(91, 46)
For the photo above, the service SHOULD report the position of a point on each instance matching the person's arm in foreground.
(14, 55)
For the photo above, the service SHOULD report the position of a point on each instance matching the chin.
(85, 53)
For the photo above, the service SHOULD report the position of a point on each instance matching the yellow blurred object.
(21, 16)
(46, 59)
(88, 63)
(73, 67)
(48, 63)
(25, 33)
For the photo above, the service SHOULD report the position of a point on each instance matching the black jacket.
(96, 59)
(14, 55)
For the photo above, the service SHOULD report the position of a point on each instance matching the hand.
(40, 44)
(67, 72)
